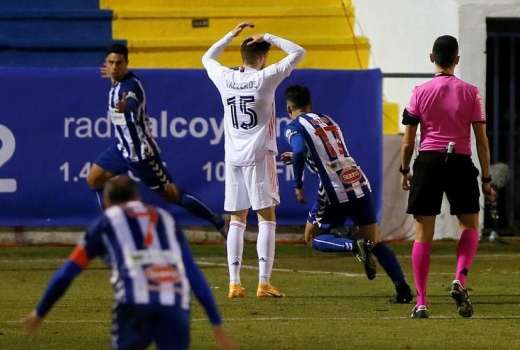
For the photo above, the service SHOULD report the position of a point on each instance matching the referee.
(446, 109)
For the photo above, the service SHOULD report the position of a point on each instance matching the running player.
(344, 191)
(153, 274)
(447, 109)
(136, 149)
(250, 145)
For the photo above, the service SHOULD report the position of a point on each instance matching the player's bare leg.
(235, 249)
(265, 247)
(424, 229)
(96, 180)
(466, 251)
(311, 230)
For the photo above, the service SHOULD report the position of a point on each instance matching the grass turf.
(322, 310)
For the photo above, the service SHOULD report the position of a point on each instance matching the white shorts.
(252, 186)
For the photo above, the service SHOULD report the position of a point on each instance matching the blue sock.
(389, 262)
(332, 242)
(99, 196)
(198, 208)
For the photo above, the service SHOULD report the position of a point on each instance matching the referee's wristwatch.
(486, 179)
(404, 171)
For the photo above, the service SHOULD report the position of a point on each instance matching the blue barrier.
(52, 125)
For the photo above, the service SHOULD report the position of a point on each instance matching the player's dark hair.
(298, 95)
(119, 49)
(445, 51)
(251, 53)
(121, 189)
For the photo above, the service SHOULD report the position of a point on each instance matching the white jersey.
(248, 99)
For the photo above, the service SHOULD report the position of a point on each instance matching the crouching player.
(343, 192)
(153, 274)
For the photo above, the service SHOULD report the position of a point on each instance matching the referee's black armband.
(409, 119)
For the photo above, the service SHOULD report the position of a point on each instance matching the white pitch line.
(206, 259)
(255, 268)
(307, 272)
(286, 319)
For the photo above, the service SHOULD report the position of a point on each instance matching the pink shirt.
(446, 107)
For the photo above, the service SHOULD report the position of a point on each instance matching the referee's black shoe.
(420, 311)
(462, 300)
(403, 294)
(364, 254)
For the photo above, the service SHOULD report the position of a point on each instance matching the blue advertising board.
(53, 125)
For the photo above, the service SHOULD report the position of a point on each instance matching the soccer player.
(447, 109)
(136, 149)
(153, 274)
(250, 145)
(344, 191)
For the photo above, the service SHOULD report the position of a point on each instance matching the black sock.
(389, 262)
(201, 210)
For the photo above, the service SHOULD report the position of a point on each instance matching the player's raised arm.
(210, 58)
(284, 67)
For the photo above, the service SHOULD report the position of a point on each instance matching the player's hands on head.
(287, 158)
(121, 104)
(300, 196)
(223, 340)
(405, 181)
(257, 38)
(240, 27)
(31, 323)
(489, 191)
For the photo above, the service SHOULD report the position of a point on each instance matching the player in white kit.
(250, 145)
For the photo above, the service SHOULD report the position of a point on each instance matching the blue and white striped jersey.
(146, 253)
(135, 140)
(326, 154)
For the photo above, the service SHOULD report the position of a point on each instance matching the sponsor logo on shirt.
(351, 175)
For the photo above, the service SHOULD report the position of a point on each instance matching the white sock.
(265, 248)
(235, 248)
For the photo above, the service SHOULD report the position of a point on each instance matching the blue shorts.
(328, 216)
(139, 326)
(151, 171)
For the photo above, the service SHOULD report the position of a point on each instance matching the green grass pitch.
(329, 304)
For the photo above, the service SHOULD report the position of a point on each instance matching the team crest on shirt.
(350, 175)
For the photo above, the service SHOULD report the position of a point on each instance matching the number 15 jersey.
(248, 99)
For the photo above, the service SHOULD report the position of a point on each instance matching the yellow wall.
(160, 33)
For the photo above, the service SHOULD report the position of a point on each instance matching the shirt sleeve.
(281, 69)
(209, 59)
(198, 282)
(478, 114)
(91, 245)
(412, 114)
(132, 91)
(297, 143)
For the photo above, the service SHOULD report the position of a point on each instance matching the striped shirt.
(142, 247)
(326, 154)
(135, 140)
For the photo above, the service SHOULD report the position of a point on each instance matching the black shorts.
(151, 171)
(435, 174)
